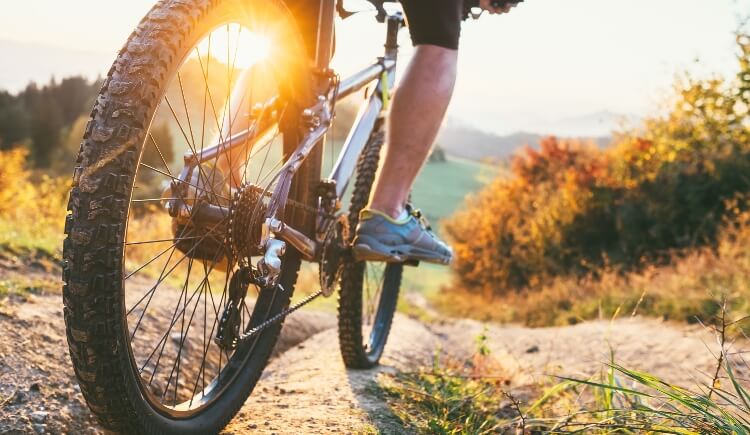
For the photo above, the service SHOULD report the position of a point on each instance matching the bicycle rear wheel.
(144, 293)
(369, 290)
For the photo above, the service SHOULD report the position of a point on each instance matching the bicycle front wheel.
(145, 294)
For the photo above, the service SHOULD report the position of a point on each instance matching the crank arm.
(306, 246)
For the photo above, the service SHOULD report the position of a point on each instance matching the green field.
(442, 186)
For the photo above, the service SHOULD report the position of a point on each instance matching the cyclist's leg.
(386, 232)
(421, 99)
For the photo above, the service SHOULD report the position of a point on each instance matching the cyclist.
(388, 230)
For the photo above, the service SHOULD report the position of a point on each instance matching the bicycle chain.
(279, 317)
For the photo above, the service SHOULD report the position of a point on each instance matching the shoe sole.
(397, 254)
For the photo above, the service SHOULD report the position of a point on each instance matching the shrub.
(570, 209)
(32, 208)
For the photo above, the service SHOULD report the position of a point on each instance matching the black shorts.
(434, 22)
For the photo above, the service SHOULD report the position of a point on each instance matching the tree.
(13, 121)
(46, 122)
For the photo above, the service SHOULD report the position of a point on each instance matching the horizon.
(622, 73)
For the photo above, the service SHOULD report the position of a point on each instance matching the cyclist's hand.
(487, 6)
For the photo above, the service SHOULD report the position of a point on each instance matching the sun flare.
(236, 46)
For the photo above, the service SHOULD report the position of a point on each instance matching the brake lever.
(475, 13)
(343, 13)
(380, 9)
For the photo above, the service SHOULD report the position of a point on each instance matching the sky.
(551, 66)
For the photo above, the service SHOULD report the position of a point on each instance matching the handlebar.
(469, 5)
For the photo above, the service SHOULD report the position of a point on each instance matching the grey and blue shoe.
(379, 237)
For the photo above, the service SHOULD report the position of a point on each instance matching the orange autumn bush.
(571, 209)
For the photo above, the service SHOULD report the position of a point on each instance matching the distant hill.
(595, 124)
(467, 142)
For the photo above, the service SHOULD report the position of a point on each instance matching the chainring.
(334, 249)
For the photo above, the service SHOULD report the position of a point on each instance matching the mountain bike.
(180, 270)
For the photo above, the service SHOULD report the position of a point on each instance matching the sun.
(236, 46)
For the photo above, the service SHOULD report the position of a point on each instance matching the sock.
(403, 216)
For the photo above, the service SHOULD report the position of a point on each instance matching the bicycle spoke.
(141, 267)
(162, 277)
(161, 155)
(154, 200)
(183, 336)
(176, 239)
(187, 113)
(183, 181)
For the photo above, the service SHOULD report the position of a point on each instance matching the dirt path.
(306, 388)
(679, 354)
(38, 391)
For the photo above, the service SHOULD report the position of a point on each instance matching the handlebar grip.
(473, 4)
(500, 4)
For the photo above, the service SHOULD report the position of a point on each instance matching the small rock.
(253, 426)
(39, 417)
(20, 397)
(533, 349)
(40, 428)
(35, 387)
(266, 423)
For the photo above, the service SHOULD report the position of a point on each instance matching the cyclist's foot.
(382, 238)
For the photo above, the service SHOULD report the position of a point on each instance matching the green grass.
(24, 237)
(448, 399)
(442, 187)
(452, 396)
(23, 287)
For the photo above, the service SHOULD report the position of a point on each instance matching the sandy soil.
(38, 390)
(306, 388)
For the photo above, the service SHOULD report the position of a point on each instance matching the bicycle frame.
(317, 121)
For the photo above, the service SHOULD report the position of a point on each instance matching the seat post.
(325, 38)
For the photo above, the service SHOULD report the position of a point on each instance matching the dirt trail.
(38, 391)
(306, 388)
